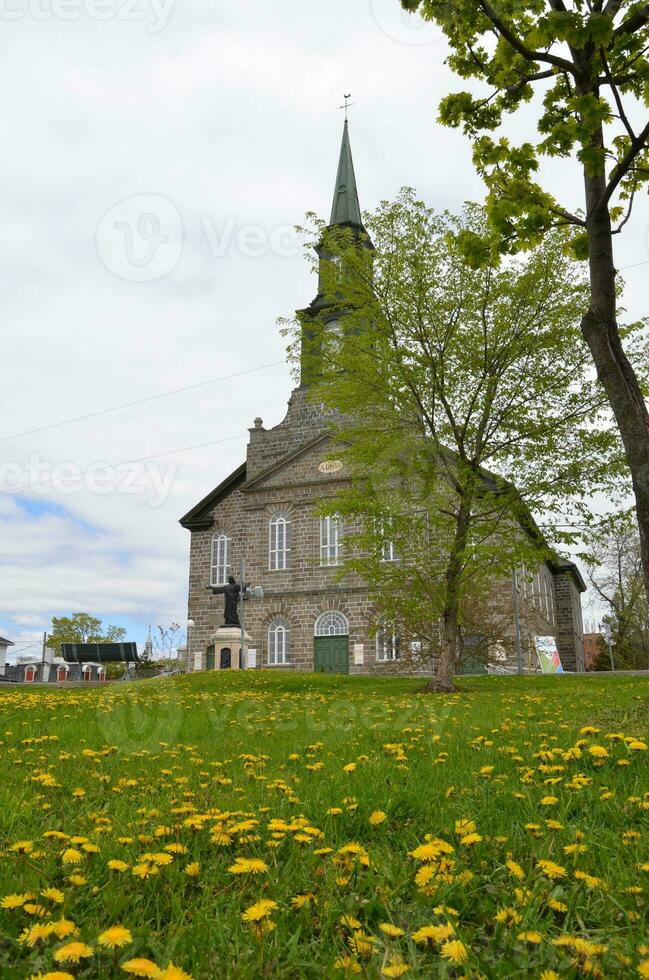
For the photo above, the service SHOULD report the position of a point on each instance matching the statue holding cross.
(232, 592)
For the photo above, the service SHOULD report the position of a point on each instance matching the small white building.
(4, 646)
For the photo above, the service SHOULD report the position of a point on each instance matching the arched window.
(278, 543)
(279, 634)
(330, 540)
(220, 559)
(331, 624)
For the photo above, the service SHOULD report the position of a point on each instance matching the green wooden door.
(210, 658)
(331, 654)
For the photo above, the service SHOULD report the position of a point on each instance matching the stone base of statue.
(224, 651)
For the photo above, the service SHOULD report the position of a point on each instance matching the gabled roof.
(6, 643)
(289, 458)
(199, 517)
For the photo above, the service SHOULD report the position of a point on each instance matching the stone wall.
(283, 474)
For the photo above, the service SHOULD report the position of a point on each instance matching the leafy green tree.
(614, 568)
(464, 397)
(82, 628)
(580, 67)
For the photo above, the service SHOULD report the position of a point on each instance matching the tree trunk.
(600, 329)
(443, 682)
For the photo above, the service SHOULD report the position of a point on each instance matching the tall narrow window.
(278, 643)
(278, 543)
(388, 645)
(220, 559)
(329, 541)
(388, 550)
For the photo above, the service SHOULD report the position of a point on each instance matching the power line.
(124, 462)
(139, 401)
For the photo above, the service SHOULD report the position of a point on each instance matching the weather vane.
(347, 104)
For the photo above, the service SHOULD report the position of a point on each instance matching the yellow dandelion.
(243, 866)
(53, 895)
(300, 901)
(378, 817)
(391, 930)
(172, 972)
(193, 870)
(643, 968)
(515, 869)
(470, 839)
(260, 910)
(395, 970)
(455, 951)
(530, 936)
(433, 934)
(72, 856)
(552, 870)
(15, 901)
(141, 967)
(73, 953)
(63, 928)
(115, 937)
(509, 916)
(116, 865)
(347, 964)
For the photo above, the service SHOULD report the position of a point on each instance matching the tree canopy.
(83, 628)
(576, 74)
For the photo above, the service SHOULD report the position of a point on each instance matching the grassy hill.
(270, 824)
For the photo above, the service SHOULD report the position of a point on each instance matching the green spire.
(345, 209)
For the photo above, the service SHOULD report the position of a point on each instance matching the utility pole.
(517, 623)
(242, 655)
(43, 658)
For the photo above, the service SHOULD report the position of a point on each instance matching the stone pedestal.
(224, 651)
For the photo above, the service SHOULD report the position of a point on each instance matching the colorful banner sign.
(549, 659)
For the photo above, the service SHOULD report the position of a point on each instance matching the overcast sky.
(156, 158)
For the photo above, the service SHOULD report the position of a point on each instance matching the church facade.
(264, 514)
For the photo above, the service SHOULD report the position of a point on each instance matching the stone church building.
(264, 514)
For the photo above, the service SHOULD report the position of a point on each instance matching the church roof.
(345, 209)
(199, 517)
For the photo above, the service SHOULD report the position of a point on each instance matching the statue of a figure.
(232, 592)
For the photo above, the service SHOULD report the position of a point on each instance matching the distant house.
(4, 646)
(52, 670)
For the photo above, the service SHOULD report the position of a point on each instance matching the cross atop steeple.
(347, 105)
(346, 209)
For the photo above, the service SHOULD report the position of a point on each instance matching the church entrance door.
(226, 658)
(331, 643)
(331, 654)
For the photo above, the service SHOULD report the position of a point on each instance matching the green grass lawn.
(369, 828)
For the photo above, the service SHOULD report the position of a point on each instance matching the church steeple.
(345, 213)
(346, 209)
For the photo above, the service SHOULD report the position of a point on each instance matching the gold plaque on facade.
(330, 466)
